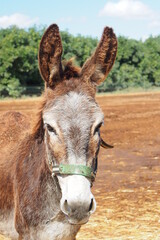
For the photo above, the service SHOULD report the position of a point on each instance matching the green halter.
(67, 169)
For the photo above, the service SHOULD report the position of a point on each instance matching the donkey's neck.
(48, 187)
(43, 194)
(36, 185)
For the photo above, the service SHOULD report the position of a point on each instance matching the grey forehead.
(73, 107)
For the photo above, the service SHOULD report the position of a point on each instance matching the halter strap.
(67, 169)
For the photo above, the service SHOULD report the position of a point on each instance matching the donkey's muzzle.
(77, 201)
(78, 212)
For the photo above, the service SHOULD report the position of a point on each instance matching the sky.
(136, 19)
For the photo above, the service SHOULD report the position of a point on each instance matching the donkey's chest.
(56, 230)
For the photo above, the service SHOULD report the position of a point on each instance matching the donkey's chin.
(74, 221)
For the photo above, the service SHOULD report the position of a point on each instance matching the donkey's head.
(72, 119)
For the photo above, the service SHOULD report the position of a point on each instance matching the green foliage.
(18, 60)
(137, 63)
(79, 48)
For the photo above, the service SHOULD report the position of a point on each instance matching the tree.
(18, 60)
(137, 63)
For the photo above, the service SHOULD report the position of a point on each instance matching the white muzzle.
(77, 201)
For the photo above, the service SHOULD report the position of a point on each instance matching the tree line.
(137, 63)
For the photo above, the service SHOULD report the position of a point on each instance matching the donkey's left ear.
(96, 68)
(50, 51)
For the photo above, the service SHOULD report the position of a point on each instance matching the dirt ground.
(127, 187)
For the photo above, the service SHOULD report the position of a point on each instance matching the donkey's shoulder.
(13, 127)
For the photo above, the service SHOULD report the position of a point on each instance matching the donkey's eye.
(51, 129)
(97, 128)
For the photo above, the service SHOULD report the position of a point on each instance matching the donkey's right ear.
(50, 51)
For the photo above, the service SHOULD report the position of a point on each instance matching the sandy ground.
(127, 187)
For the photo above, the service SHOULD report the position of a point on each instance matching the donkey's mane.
(70, 70)
(37, 130)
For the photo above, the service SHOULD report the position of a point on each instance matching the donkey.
(45, 182)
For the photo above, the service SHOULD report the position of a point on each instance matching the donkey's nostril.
(91, 205)
(65, 207)
(65, 204)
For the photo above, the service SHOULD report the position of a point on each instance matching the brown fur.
(50, 52)
(99, 65)
(26, 185)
